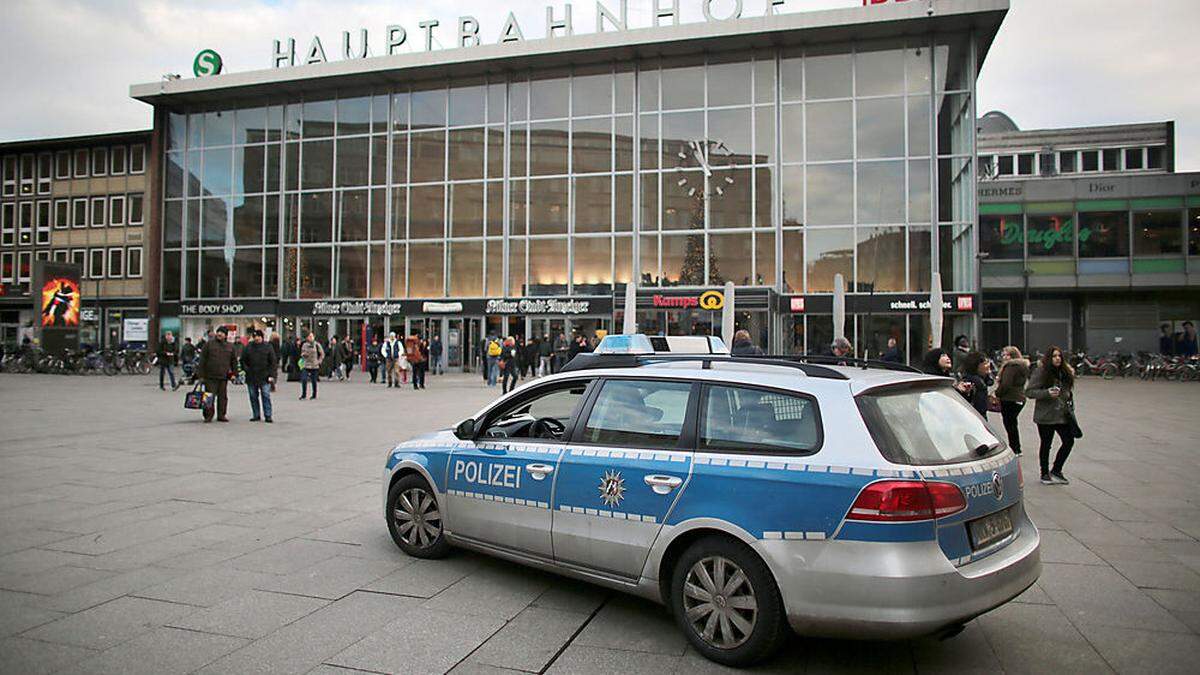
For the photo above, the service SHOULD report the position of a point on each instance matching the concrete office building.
(1091, 240)
(517, 187)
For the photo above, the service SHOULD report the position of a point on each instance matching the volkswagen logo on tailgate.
(997, 485)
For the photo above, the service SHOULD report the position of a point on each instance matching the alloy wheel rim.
(418, 520)
(719, 602)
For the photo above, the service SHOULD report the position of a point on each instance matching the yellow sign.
(712, 300)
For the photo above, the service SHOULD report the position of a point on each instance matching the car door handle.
(539, 471)
(663, 484)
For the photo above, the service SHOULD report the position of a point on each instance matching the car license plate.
(990, 529)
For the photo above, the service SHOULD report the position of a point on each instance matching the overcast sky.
(69, 63)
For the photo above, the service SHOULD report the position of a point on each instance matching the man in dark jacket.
(435, 356)
(893, 354)
(216, 366)
(168, 349)
(744, 346)
(260, 363)
(187, 358)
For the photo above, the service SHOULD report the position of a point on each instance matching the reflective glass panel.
(829, 252)
(830, 194)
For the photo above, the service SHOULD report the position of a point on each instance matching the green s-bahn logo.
(207, 62)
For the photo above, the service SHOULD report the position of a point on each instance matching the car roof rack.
(587, 361)
(849, 361)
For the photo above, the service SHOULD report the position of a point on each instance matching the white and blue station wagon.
(751, 496)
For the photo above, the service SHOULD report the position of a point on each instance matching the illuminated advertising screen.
(57, 304)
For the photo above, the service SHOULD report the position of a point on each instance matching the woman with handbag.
(1010, 392)
(1052, 388)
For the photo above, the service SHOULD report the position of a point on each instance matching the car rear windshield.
(926, 424)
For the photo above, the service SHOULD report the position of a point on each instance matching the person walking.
(532, 355)
(168, 351)
(1052, 388)
(331, 365)
(1187, 344)
(545, 352)
(391, 351)
(436, 355)
(349, 356)
(494, 350)
(962, 347)
(260, 365)
(293, 359)
(187, 359)
(374, 356)
(560, 353)
(1010, 389)
(892, 354)
(976, 376)
(311, 357)
(216, 367)
(507, 362)
(743, 345)
(417, 353)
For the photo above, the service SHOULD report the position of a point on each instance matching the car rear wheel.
(726, 602)
(415, 519)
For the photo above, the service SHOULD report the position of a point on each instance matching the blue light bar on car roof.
(625, 344)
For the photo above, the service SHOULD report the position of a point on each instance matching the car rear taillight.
(904, 500)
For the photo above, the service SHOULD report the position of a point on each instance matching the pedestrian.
(840, 348)
(494, 350)
(1187, 345)
(743, 345)
(392, 349)
(417, 353)
(507, 362)
(1166, 340)
(560, 353)
(962, 347)
(1010, 389)
(521, 365)
(532, 355)
(937, 362)
(293, 360)
(312, 355)
(331, 365)
(216, 368)
(374, 356)
(1052, 388)
(187, 358)
(167, 353)
(976, 376)
(349, 356)
(436, 355)
(545, 353)
(260, 365)
(892, 354)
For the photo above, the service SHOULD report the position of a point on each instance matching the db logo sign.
(207, 63)
(712, 300)
(966, 303)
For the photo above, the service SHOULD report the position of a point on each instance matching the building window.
(133, 262)
(79, 212)
(1090, 160)
(81, 163)
(100, 161)
(117, 157)
(1025, 164)
(62, 165)
(116, 263)
(1066, 161)
(42, 237)
(61, 255)
(25, 223)
(1104, 234)
(1005, 165)
(79, 258)
(136, 214)
(10, 175)
(96, 263)
(41, 255)
(99, 211)
(1155, 157)
(1157, 233)
(116, 210)
(24, 263)
(1134, 159)
(8, 224)
(62, 214)
(45, 172)
(137, 158)
(1050, 235)
(1112, 159)
(28, 174)
(987, 166)
(1046, 164)
(6, 267)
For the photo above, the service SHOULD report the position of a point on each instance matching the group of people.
(1180, 343)
(1050, 385)
(398, 357)
(219, 361)
(510, 359)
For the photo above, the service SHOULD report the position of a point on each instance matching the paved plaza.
(135, 539)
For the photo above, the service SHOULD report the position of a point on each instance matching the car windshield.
(926, 424)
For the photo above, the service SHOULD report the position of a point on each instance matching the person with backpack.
(311, 356)
(1052, 388)
(1010, 390)
(509, 369)
(494, 350)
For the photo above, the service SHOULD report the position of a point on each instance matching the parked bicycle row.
(1142, 365)
(78, 362)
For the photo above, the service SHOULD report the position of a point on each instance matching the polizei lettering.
(495, 475)
(980, 490)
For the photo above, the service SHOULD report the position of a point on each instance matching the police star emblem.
(612, 488)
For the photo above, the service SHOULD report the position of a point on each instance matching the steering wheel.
(547, 427)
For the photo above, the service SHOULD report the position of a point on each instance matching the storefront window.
(1001, 237)
(1104, 234)
(1157, 233)
(1194, 232)
(1050, 235)
(828, 252)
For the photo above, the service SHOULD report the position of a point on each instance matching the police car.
(749, 495)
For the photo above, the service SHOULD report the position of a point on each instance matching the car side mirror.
(465, 429)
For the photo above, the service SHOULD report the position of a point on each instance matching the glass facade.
(777, 168)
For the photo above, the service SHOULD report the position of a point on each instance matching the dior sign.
(468, 32)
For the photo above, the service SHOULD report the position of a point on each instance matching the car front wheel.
(726, 602)
(415, 519)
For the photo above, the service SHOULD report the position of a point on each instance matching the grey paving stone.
(493, 590)
(331, 579)
(110, 624)
(205, 587)
(469, 667)
(314, 639)
(632, 624)
(108, 588)
(18, 618)
(1139, 651)
(589, 660)
(28, 537)
(433, 642)
(52, 581)
(1158, 575)
(967, 652)
(289, 556)
(252, 614)
(1030, 638)
(20, 656)
(530, 640)
(1143, 553)
(34, 560)
(569, 595)
(165, 651)
(1061, 547)
(857, 657)
(426, 578)
(1099, 595)
(1034, 594)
